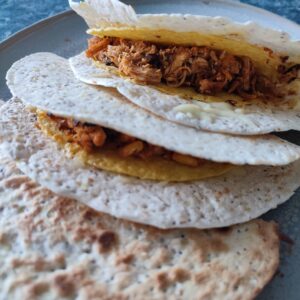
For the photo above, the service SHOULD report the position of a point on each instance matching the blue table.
(15, 14)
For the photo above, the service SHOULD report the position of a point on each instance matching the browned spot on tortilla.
(89, 214)
(15, 182)
(201, 277)
(83, 233)
(64, 285)
(3, 238)
(162, 280)
(179, 275)
(224, 230)
(264, 232)
(125, 259)
(107, 240)
(216, 245)
(37, 289)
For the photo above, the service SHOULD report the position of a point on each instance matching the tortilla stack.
(163, 189)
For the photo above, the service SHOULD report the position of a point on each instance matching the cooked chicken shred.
(93, 138)
(207, 70)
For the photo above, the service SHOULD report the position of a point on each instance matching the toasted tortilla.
(209, 113)
(155, 168)
(237, 196)
(54, 248)
(45, 81)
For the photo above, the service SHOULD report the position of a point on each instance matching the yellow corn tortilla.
(155, 168)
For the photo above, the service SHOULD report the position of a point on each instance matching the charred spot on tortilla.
(114, 151)
(207, 70)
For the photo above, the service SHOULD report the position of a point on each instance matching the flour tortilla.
(251, 121)
(238, 196)
(54, 248)
(44, 80)
(113, 13)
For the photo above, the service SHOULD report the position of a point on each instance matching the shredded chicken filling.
(94, 138)
(207, 70)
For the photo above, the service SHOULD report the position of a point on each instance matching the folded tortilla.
(45, 81)
(57, 248)
(239, 195)
(271, 54)
(214, 116)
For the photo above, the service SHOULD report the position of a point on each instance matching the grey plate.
(64, 34)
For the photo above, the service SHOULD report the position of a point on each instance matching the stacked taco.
(164, 120)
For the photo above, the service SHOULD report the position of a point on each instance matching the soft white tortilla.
(57, 248)
(105, 13)
(238, 196)
(45, 80)
(253, 120)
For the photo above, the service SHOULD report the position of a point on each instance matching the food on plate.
(205, 69)
(195, 70)
(214, 116)
(111, 150)
(45, 81)
(56, 142)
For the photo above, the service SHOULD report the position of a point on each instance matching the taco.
(196, 70)
(45, 81)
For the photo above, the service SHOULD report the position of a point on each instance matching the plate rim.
(9, 41)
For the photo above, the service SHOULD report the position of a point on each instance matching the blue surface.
(16, 14)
